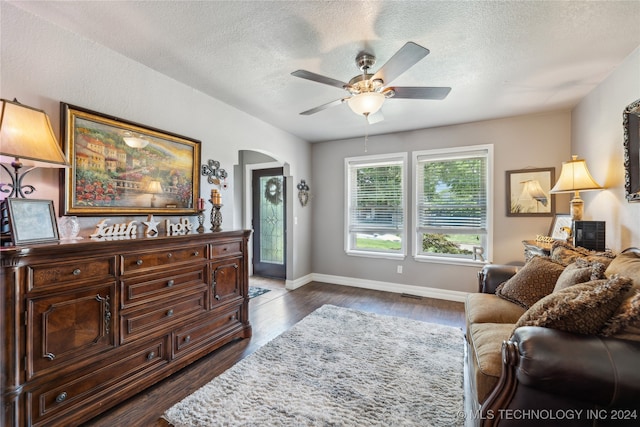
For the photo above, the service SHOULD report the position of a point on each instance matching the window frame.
(445, 153)
(373, 160)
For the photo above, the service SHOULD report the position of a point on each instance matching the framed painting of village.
(123, 168)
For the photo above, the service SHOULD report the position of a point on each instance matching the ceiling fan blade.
(303, 74)
(421, 92)
(401, 61)
(375, 117)
(323, 107)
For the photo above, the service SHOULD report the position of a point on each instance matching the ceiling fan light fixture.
(366, 103)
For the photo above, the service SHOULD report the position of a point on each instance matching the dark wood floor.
(270, 315)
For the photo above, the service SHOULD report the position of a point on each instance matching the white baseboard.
(397, 288)
(301, 281)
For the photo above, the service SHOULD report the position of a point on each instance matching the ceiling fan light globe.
(366, 103)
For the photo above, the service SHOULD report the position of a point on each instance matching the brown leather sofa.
(538, 376)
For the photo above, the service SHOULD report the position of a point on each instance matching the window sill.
(378, 255)
(450, 260)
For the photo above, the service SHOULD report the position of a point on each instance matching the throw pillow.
(532, 282)
(579, 271)
(626, 264)
(627, 314)
(582, 308)
(565, 253)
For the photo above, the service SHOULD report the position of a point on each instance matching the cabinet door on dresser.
(227, 272)
(67, 326)
(226, 280)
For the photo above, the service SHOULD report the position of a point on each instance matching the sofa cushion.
(535, 280)
(582, 308)
(486, 355)
(489, 308)
(566, 253)
(579, 271)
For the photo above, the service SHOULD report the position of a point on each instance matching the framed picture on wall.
(31, 221)
(122, 168)
(529, 192)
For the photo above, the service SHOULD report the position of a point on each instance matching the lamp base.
(577, 208)
(16, 188)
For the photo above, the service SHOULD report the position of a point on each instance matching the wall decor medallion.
(303, 192)
(528, 192)
(631, 126)
(123, 168)
(214, 173)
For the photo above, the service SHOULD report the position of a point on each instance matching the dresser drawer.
(190, 338)
(149, 288)
(226, 249)
(150, 319)
(47, 275)
(59, 397)
(149, 260)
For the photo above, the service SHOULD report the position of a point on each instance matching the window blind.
(452, 194)
(376, 197)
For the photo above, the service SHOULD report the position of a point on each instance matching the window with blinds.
(376, 205)
(452, 206)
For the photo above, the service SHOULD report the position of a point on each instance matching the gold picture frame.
(122, 168)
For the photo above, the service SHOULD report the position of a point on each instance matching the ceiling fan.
(367, 92)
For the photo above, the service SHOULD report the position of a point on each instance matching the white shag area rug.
(339, 367)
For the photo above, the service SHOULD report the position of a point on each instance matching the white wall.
(43, 65)
(597, 136)
(519, 143)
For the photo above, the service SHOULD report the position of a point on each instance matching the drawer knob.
(187, 338)
(170, 312)
(170, 283)
(151, 355)
(217, 297)
(76, 272)
(169, 255)
(196, 253)
(139, 262)
(61, 397)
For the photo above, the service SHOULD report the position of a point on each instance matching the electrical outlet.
(399, 270)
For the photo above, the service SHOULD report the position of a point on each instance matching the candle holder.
(216, 216)
(200, 228)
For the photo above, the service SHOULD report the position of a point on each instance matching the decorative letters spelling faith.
(115, 230)
(182, 227)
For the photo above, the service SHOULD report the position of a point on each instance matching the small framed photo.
(32, 221)
(561, 227)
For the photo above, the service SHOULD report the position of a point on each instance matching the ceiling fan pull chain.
(366, 130)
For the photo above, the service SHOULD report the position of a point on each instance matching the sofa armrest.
(590, 368)
(492, 275)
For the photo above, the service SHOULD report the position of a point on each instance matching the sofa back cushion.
(625, 323)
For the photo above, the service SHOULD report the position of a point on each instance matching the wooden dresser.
(87, 324)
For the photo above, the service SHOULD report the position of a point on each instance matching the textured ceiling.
(500, 58)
